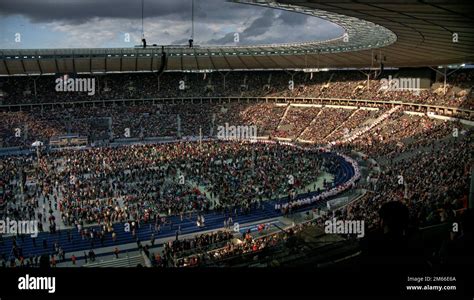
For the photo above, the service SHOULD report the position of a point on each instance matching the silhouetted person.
(44, 261)
(458, 251)
(91, 255)
(152, 239)
(393, 246)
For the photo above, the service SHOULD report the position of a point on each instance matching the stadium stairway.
(213, 221)
(123, 262)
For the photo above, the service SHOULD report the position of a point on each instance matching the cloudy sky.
(107, 23)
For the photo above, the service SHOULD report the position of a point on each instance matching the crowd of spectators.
(334, 84)
(174, 250)
(430, 178)
(144, 182)
(327, 121)
(400, 132)
(237, 249)
(319, 125)
(357, 120)
(295, 121)
(21, 129)
(102, 122)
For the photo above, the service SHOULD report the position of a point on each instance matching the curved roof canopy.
(408, 33)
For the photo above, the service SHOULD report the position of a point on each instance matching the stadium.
(352, 151)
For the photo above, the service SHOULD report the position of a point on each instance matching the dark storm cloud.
(182, 41)
(76, 12)
(293, 19)
(166, 21)
(227, 39)
(81, 11)
(258, 27)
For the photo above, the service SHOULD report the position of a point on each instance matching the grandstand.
(134, 173)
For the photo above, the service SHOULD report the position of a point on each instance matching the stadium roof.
(400, 33)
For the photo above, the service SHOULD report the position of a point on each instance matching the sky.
(27, 24)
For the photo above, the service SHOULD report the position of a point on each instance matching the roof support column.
(446, 75)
